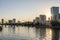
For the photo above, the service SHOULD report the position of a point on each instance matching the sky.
(26, 10)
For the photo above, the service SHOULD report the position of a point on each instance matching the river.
(29, 33)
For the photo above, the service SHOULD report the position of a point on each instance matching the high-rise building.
(55, 10)
(10, 21)
(59, 18)
(42, 19)
(36, 20)
(14, 20)
(2, 21)
(54, 13)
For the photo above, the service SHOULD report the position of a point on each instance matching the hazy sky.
(25, 9)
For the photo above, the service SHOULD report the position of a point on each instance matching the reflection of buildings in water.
(48, 34)
(59, 34)
(32, 33)
(23, 31)
(42, 33)
(45, 34)
(1, 29)
(37, 33)
(55, 34)
(11, 29)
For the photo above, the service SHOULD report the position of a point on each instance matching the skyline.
(26, 10)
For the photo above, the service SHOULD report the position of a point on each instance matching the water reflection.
(28, 33)
(48, 34)
(1, 28)
(55, 34)
(42, 33)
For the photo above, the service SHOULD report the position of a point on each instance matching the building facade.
(54, 13)
(2, 21)
(36, 20)
(14, 20)
(10, 21)
(42, 19)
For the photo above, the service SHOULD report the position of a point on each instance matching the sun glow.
(48, 16)
(48, 34)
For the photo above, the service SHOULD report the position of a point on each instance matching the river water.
(28, 33)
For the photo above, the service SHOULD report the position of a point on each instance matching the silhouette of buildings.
(10, 21)
(41, 19)
(48, 22)
(2, 20)
(55, 14)
(14, 20)
(36, 20)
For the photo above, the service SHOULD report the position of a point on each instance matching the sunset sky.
(26, 10)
